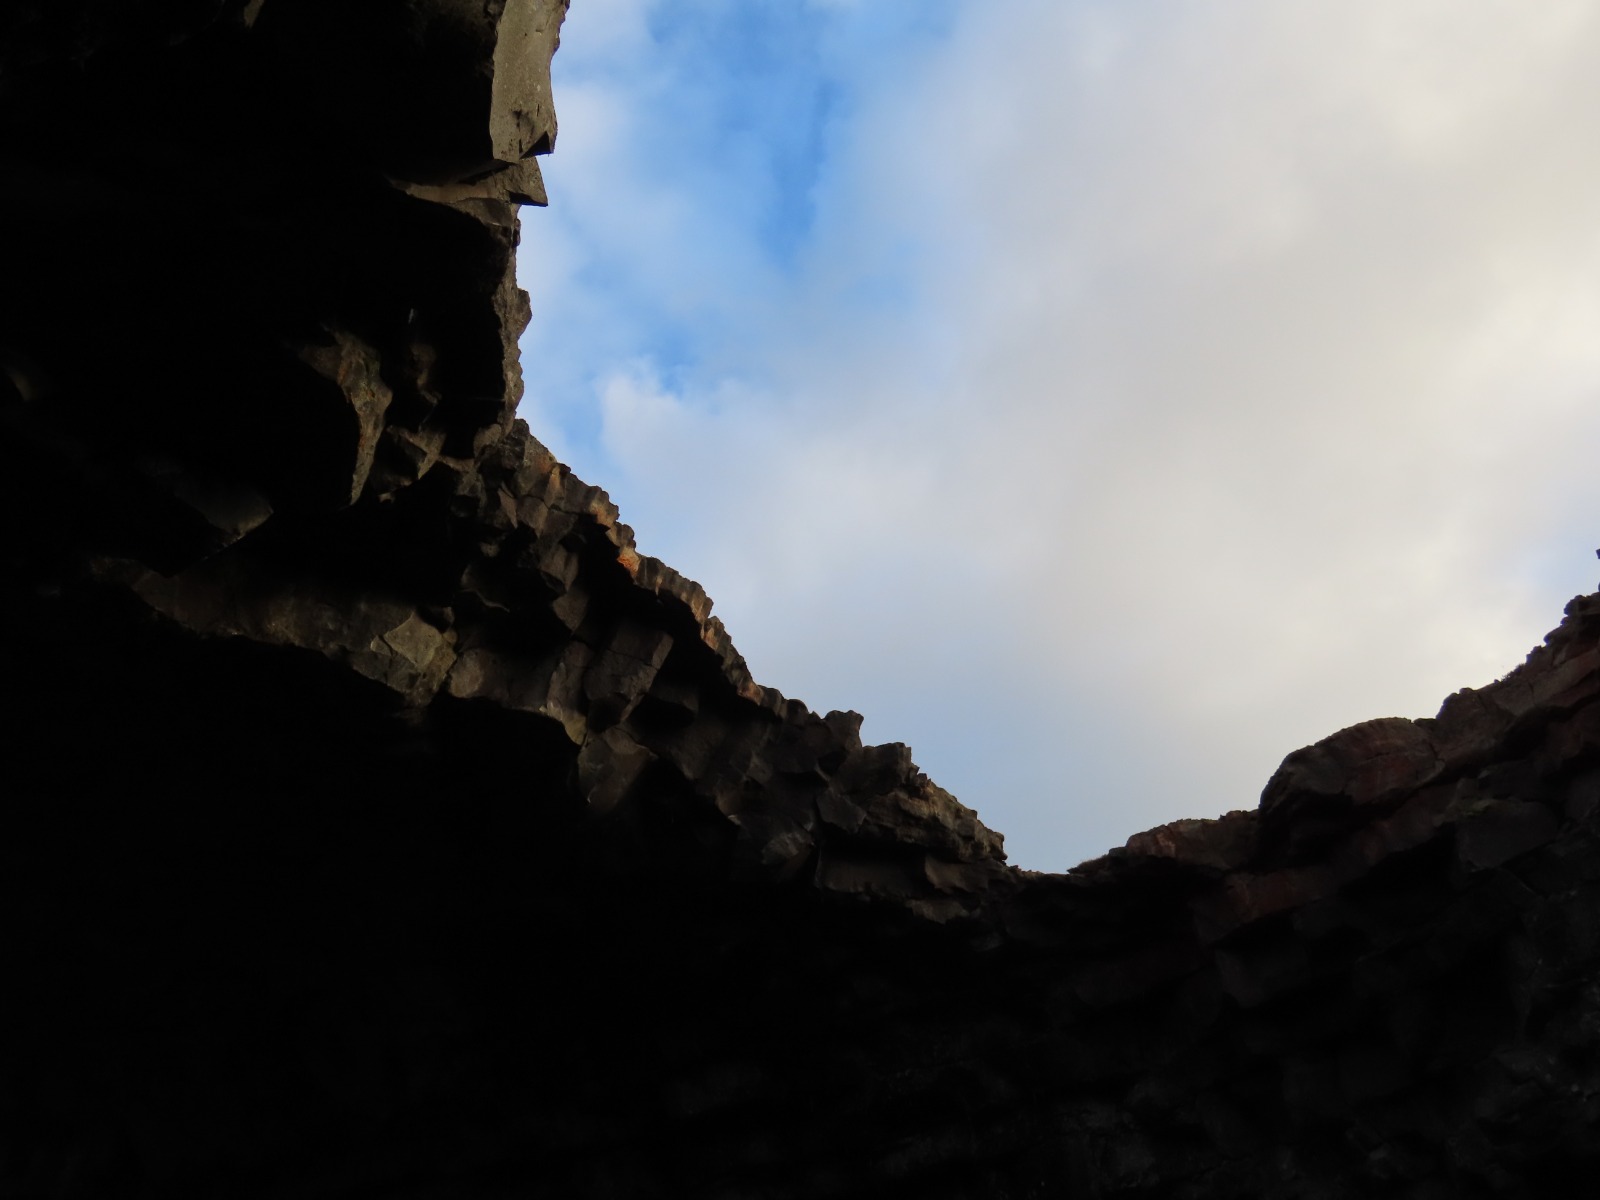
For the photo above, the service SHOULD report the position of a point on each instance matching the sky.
(1104, 397)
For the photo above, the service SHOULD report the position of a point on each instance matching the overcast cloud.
(1106, 399)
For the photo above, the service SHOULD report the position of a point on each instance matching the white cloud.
(1158, 387)
(608, 31)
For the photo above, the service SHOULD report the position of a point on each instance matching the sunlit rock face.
(378, 821)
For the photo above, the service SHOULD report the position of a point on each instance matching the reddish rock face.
(379, 821)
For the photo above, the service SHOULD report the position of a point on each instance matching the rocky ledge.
(381, 822)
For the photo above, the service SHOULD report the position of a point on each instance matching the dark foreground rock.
(379, 823)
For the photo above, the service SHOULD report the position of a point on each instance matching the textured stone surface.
(379, 821)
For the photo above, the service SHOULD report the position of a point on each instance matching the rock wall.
(379, 822)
